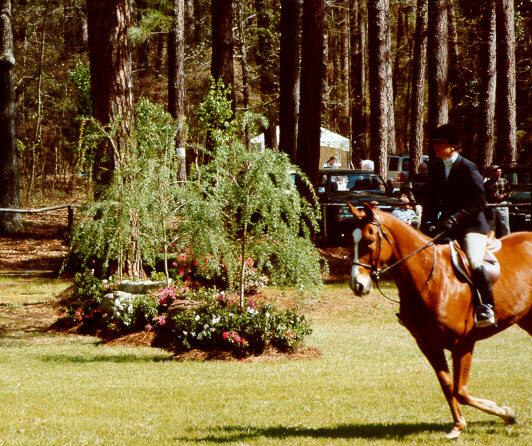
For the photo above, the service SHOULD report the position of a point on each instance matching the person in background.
(408, 213)
(331, 163)
(497, 191)
(455, 205)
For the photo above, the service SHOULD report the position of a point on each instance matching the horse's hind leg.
(462, 359)
(436, 357)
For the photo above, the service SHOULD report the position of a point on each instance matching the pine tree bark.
(358, 63)
(437, 61)
(506, 149)
(312, 73)
(267, 62)
(176, 81)
(222, 65)
(455, 75)
(111, 83)
(380, 84)
(418, 88)
(9, 179)
(289, 76)
(488, 72)
(244, 65)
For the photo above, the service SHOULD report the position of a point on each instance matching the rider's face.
(443, 150)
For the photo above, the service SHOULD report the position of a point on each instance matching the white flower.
(215, 320)
(197, 317)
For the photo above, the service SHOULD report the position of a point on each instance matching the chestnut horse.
(435, 306)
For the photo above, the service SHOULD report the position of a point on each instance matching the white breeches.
(475, 248)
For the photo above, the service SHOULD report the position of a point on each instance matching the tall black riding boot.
(484, 315)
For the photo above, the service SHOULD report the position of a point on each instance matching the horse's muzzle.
(359, 283)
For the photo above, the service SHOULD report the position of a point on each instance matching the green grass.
(17, 291)
(371, 386)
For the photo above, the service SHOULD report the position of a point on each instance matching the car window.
(406, 165)
(365, 182)
(519, 178)
(393, 163)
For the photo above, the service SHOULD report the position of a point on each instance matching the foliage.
(96, 307)
(243, 204)
(132, 219)
(215, 112)
(222, 323)
(80, 76)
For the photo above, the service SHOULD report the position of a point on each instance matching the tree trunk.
(241, 43)
(418, 88)
(222, 44)
(312, 72)
(455, 75)
(9, 184)
(176, 82)
(505, 103)
(488, 74)
(380, 84)
(111, 85)
(359, 120)
(437, 50)
(289, 76)
(267, 63)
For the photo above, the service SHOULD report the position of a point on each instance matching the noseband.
(373, 267)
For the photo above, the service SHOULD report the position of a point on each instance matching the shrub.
(222, 323)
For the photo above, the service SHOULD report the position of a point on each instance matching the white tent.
(332, 144)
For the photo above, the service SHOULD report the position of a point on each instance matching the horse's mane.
(395, 225)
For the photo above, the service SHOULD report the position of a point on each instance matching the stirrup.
(485, 317)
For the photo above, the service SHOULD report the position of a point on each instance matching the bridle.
(375, 270)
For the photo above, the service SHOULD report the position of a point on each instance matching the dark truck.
(339, 186)
(520, 179)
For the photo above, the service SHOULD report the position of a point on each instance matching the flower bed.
(182, 318)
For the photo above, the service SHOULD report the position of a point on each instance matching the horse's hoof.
(455, 433)
(511, 415)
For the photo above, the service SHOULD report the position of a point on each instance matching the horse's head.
(371, 248)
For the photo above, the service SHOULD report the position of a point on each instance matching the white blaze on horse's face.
(360, 283)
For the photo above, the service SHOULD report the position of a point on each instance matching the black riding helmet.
(447, 133)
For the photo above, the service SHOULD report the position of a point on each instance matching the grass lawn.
(371, 386)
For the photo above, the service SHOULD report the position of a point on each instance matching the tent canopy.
(328, 139)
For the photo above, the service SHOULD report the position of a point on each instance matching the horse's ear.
(369, 208)
(357, 213)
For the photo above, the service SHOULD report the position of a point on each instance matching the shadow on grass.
(228, 434)
(115, 358)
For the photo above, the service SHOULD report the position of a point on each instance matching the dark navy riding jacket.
(460, 195)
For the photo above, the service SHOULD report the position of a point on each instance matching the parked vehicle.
(339, 186)
(520, 179)
(399, 168)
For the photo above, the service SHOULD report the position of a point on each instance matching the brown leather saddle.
(491, 264)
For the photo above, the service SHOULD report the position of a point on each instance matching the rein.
(374, 267)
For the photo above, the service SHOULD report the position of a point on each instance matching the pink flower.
(159, 320)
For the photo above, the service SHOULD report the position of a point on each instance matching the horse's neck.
(415, 272)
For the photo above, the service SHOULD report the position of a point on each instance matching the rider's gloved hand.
(449, 224)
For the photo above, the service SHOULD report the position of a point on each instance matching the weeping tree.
(243, 205)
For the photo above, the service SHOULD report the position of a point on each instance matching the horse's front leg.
(436, 357)
(462, 359)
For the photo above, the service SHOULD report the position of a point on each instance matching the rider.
(456, 205)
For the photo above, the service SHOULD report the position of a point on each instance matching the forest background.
(385, 73)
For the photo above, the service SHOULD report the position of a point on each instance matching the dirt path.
(29, 318)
